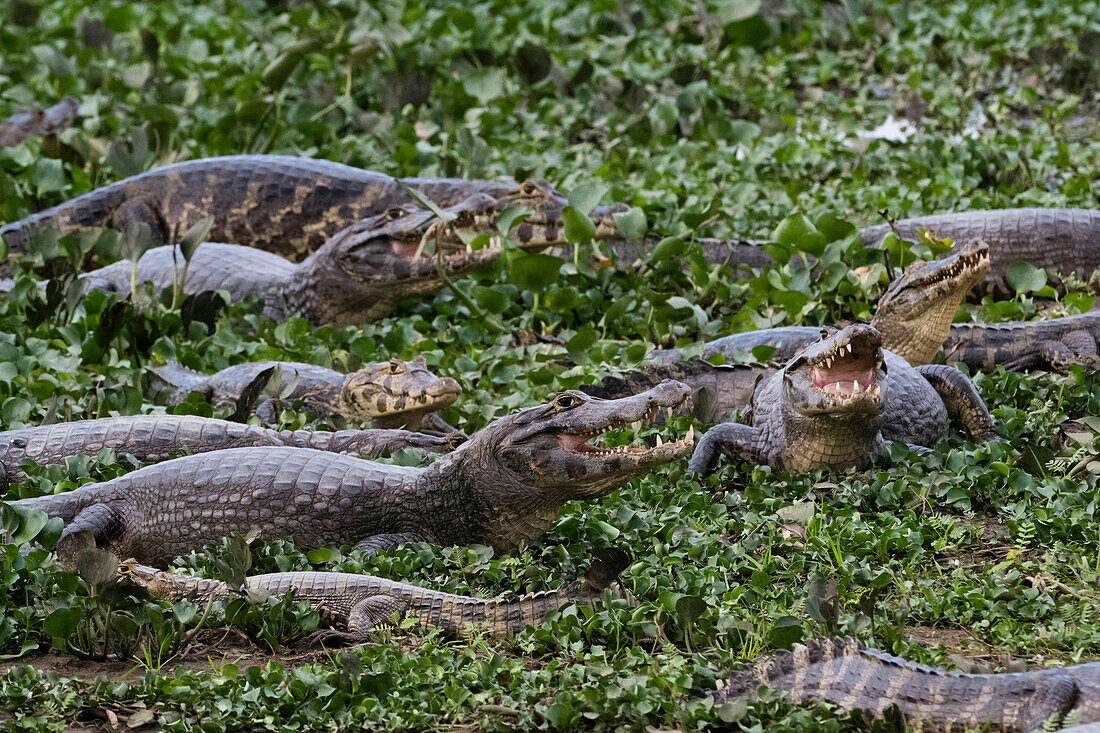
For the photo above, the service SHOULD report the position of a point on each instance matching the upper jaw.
(846, 373)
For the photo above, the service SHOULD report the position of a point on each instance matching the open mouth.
(848, 372)
(580, 442)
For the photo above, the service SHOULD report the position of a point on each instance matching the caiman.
(833, 405)
(1055, 343)
(1064, 242)
(38, 122)
(502, 488)
(847, 674)
(914, 314)
(387, 394)
(153, 438)
(362, 602)
(358, 275)
(282, 204)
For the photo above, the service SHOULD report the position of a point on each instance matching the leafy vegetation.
(715, 118)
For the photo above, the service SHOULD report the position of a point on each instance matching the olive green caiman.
(502, 488)
(833, 405)
(847, 674)
(358, 275)
(914, 314)
(361, 602)
(153, 438)
(387, 394)
(286, 205)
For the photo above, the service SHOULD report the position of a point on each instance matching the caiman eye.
(565, 401)
(394, 213)
(529, 188)
(396, 367)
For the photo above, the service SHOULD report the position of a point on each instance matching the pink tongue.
(574, 442)
(823, 377)
(404, 249)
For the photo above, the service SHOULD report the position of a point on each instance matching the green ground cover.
(717, 117)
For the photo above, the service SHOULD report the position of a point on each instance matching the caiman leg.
(364, 615)
(102, 523)
(433, 423)
(732, 439)
(378, 542)
(960, 399)
(1075, 347)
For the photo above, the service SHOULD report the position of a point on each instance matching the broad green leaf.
(318, 556)
(631, 224)
(668, 248)
(799, 233)
(485, 84)
(195, 236)
(535, 272)
(62, 622)
(585, 197)
(578, 227)
(1025, 277)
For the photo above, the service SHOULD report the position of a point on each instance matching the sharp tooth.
(659, 441)
(849, 347)
(637, 425)
(691, 434)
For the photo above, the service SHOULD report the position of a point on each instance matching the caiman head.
(363, 271)
(526, 465)
(397, 393)
(841, 378)
(915, 313)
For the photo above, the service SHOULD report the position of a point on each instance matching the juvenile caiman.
(360, 274)
(361, 602)
(387, 394)
(833, 404)
(286, 205)
(152, 438)
(502, 488)
(914, 314)
(847, 674)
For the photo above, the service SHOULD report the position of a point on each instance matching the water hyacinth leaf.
(584, 198)
(534, 272)
(61, 623)
(96, 567)
(24, 523)
(1025, 277)
(578, 227)
(799, 233)
(195, 236)
(630, 224)
(668, 248)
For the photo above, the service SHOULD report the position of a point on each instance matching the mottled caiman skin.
(282, 204)
(152, 438)
(387, 394)
(1061, 241)
(360, 274)
(361, 602)
(833, 405)
(502, 488)
(1022, 345)
(914, 314)
(845, 673)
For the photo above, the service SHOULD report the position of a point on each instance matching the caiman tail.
(932, 700)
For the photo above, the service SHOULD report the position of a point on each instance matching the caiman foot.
(333, 637)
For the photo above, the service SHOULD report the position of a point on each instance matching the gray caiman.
(362, 602)
(847, 674)
(386, 394)
(283, 204)
(358, 275)
(1055, 343)
(833, 405)
(153, 438)
(502, 488)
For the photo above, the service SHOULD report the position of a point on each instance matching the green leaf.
(786, 632)
(689, 608)
(62, 622)
(734, 710)
(1025, 277)
(184, 611)
(535, 272)
(832, 227)
(729, 11)
(96, 567)
(484, 84)
(668, 248)
(578, 227)
(585, 197)
(799, 233)
(30, 523)
(316, 557)
(631, 224)
(195, 236)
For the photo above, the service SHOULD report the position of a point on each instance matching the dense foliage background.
(718, 117)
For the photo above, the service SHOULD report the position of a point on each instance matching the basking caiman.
(1061, 241)
(833, 405)
(360, 274)
(502, 488)
(387, 394)
(914, 314)
(361, 602)
(1055, 343)
(845, 673)
(153, 438)
(286, 205)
